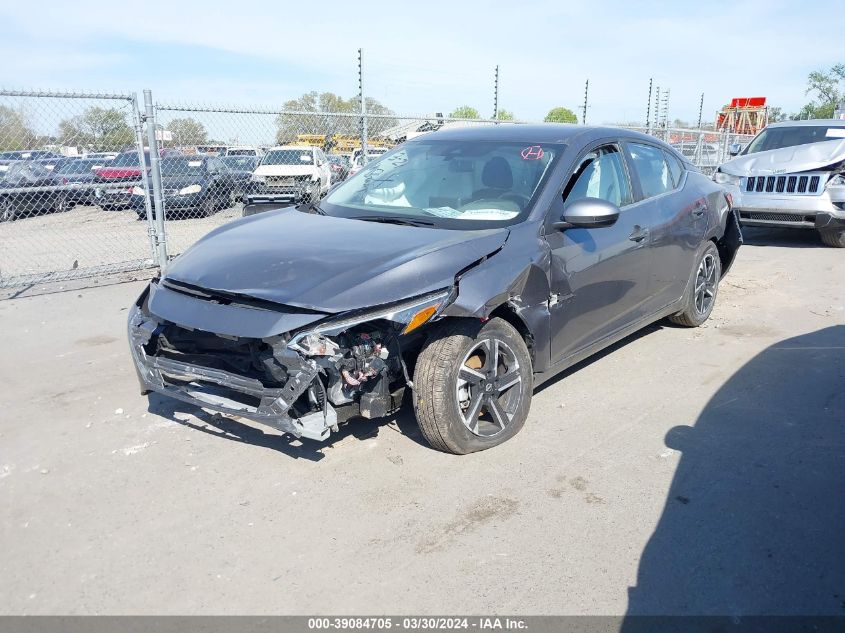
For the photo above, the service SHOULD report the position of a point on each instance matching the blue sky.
(427, 57)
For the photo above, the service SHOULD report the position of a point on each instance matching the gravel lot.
(87, 237)
(684, 471)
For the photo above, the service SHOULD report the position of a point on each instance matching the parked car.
(192, 186)
(120, 175)
(290, 174)
(468, 265)
(792, 175)
(339, 166)
(28, 188)
(241, 169)
(7, 158)
(243, 150)
(80, 179)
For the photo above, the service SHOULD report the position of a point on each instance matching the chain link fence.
(68, 163)
(94, 184)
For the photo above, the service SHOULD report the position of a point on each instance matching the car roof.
(534, 133)
(810, 122)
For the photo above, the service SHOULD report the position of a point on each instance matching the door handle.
(639, 234)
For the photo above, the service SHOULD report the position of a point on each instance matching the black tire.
(7, 210)
(441, 408)
(834, 237)
(699, 300)
(61, 205)
(208, 207)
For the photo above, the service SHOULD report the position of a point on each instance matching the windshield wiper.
(393, 219)
(312, 207)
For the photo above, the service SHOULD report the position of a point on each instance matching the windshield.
(450, 184)
(288, 157)
(181, 167)
(240, 152)
(128, 159)
(79, 166)
(778, 137)
(240, 163)
(27, 171)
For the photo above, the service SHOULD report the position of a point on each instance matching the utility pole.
(496, 94)
(648, 106)
(584, 111)
(700, 110)
(363, 106)
(657, 106)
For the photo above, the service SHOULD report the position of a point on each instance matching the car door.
(599, 276)
(679, 217)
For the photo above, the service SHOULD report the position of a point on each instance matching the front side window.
(652, 170)
(600, 174)
(452, 184)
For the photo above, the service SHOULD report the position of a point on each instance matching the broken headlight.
(722, 178)
(411, 314)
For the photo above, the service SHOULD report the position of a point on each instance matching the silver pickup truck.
(792, 174)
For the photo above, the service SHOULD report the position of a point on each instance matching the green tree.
(826, 87)
(98, 129)
(561, 115)
(505, 115)
(187, 131)
(776, 114)
(465, 112)
(15, 133)
(315, 116)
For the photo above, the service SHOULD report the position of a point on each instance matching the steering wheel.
(520, 200)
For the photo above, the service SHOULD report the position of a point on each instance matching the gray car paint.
(570, 292)
(327, 263)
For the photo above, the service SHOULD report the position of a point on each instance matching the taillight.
(730, 200)
(64, 181)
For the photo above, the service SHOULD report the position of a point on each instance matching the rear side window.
(651, 168)
(676, 170)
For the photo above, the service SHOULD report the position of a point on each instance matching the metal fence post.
(139, 142)
(155, 172)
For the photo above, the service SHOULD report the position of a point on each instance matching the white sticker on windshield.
(835, 132)
(194, 163)
(305, 158)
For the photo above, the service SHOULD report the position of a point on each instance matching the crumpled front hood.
(329, 264)
(787, 160)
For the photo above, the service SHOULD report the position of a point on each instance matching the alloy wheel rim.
(488, 389)
(705, 284)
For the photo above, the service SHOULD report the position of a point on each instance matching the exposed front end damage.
(303, 382)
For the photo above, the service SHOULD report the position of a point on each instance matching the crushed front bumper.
(226, 392)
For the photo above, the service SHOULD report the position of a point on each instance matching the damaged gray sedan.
(467, 266)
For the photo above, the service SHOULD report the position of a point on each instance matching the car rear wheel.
(473, 384)
(702, 289)
(61, 204)
(208, 207)
(834, 238)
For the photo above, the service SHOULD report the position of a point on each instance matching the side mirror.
(588, 213)
(734, 149)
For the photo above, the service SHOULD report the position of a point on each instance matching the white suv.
(290, 174)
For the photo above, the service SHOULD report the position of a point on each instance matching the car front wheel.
(834, 238)
(473, 385)
(7, 210)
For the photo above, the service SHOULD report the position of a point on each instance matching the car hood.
(329, 264)
(284, 170)
(785, 160)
